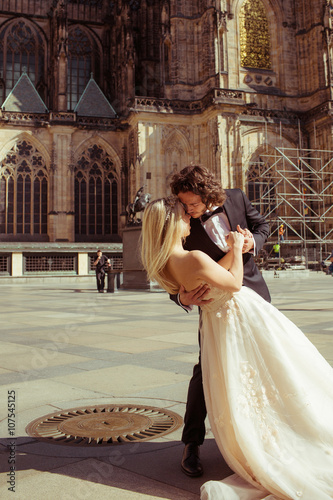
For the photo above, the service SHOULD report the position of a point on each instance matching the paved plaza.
(65, 346)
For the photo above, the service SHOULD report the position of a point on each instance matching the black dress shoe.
(191, 464)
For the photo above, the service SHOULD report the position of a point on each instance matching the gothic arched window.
(254, 36)
(21, 49)
(261, 187)
(23, 191)
(83, 59)
(96, 194)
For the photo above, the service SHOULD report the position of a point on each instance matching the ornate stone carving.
(222, 20)
(174, 147)
(328, 15)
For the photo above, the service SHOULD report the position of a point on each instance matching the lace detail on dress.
(229, 312)
(220, 299)
(254, 402)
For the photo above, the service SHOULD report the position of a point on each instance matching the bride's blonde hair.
(162, 229)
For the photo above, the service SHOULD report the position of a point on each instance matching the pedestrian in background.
(101, 263)
(330, 267)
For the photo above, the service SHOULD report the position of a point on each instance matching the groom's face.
(194, 206)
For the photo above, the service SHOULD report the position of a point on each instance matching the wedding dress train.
(269, 398)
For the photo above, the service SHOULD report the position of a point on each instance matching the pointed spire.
(93, 102)
(24, 98)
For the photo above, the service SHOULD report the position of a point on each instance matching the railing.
(36, 7)
(59, 118)
(76, 10)
(55, 259)
(89, 9)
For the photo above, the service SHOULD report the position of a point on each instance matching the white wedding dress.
(269, 397)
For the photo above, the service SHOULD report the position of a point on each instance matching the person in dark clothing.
(101, 263)
(214, 213)
(330, 267)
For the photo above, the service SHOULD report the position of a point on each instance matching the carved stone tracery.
(23, 51)
(96, 192)
(23, 171)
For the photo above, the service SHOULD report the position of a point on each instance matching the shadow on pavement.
(150, 468)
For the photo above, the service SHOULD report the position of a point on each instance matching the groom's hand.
(248, 239)
(195, 297)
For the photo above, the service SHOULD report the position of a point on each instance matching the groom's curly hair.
(199, 180)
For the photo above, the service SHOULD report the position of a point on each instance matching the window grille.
(52, 263)
(4, 264)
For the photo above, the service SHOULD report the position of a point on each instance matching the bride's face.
(186, 219)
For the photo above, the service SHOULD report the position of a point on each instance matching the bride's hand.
(229, 239)
(237, 239)
(195, 297)
(234, 238)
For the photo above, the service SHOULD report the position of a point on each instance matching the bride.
(268, 391)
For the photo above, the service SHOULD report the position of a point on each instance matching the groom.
(214, 213)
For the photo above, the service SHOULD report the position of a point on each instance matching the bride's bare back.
(190, 269)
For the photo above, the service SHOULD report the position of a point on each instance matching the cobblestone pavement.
(66, 346)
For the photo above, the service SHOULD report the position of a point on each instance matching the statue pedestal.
(134, 277)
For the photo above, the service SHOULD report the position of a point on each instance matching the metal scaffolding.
(294, 188)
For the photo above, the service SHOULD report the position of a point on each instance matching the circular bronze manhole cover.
(104, 425)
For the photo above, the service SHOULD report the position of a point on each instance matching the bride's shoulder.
(198, 257)
(197, 254)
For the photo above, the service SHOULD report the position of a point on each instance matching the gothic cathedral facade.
(101, 97)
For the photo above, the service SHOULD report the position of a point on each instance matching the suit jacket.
(239, 211)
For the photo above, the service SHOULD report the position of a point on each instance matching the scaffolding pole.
(294, 188)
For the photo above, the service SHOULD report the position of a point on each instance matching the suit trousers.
(195, 414)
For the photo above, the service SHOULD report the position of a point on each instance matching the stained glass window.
(23, 191)
(21, 49)
(83, 60)
(254, 36)
(96, 193)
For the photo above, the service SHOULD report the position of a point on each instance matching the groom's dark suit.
(239, 211)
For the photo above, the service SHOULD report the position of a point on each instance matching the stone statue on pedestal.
(138, 205)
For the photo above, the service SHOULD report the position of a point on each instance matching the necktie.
(207, 215)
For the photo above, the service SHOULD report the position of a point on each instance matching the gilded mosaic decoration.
(254, 36)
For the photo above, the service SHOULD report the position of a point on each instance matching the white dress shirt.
(217, 227)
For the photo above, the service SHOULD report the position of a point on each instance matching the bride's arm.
(226, 260)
